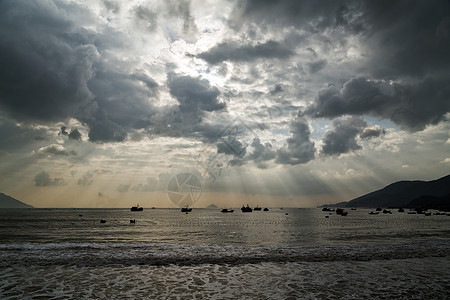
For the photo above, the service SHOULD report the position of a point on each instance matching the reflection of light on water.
(184, 189)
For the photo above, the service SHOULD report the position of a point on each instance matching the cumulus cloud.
(411, 106)
(342, 138)
(151, 185)
(372, 132)
(194, 94)
(231, 146)
(43, 179)
(299, 149)
(75, 135)
(261, 152)
(55, 149)
(231, 51)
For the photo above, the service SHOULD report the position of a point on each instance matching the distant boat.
(266, 209)
(133, 221)
(246, 208)
(102, 221)
(257, 208)
(225, 210)
(401, 210)
(137, 208)
(374, 213)
(379, 209)
(327, 209)
(386, 211)
(341, 212)
(186, 209)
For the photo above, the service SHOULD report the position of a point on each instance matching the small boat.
(341, 212)
(265, 209)
(133, 221)
(374, 213)
(102, 221)
(353, 208)
(386, 211)
(225, 210)
(137, 208)
(246, 208)
(257, 208)
(327, 209)
(401, 209)
(428, 214)
(186, 209)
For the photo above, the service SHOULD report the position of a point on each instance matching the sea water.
(206, 254)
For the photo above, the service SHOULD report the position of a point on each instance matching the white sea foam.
(388, 279)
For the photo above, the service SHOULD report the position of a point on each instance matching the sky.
(272, 103)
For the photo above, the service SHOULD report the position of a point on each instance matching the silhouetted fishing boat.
(246, 208)
(225, 210)
(137, 208)
(257, 208)
(186, 209)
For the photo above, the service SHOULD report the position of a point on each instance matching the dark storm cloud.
(342, 138)
(43, 179)
(53, 68)
(372, 132)
(317, 15)
(44, 69)
(231, 51)
(121, 104)
(407, 38)
(406, 42)
(194, 95)
(411, 106)
(299, 149)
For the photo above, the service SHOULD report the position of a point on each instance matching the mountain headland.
(9, 202)
(413, 194)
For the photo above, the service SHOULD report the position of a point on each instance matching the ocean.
(166, 254)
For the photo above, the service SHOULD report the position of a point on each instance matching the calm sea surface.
(206, 254)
